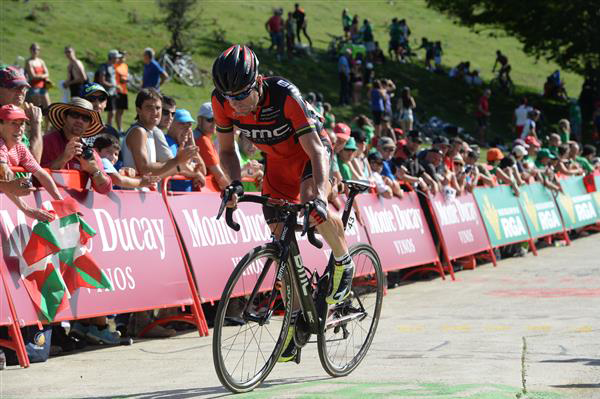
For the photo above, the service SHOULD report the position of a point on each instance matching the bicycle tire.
(243, 279)
(367, 288)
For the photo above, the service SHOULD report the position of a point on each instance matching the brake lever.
(305, 224)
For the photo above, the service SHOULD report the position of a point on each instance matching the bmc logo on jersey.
(291, 87)
(265, 134)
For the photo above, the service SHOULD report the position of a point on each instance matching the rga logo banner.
(398, 230)
(540, 210)
(502, 215)
(135, 246)
(576, 205)
(460, 223)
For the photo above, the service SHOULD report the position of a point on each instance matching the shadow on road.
(586, 361)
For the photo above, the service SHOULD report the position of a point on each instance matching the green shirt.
(585, 164)
(329, 120)
(564, 136)
(344, 170)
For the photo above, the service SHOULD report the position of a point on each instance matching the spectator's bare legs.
(109, 117)
(119, 119)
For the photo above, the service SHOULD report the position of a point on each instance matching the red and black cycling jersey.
(280, 119)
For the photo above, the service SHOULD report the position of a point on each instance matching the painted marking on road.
(457, 328)
(411, 329)
(584, 329)
(490, 328)
(544, 328)
(548, 292)
(498, 328)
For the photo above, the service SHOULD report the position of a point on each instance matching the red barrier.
(136, 246)
(399, 232)
(459, 225)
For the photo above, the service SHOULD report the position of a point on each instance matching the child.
(14, 153)
(376, 163)
(108, 148)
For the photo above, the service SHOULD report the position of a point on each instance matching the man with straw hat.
(64, 147)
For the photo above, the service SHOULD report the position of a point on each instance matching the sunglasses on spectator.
(209, 120)
(166, 112)
(241, 96)
(77, 115)
(459, 164)
(100, 98)
(389, 149)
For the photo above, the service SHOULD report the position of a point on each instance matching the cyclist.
(270, 112)
(504, 71)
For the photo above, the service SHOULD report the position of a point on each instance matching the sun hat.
(183, 116)
(494, 154)
(206, 110)
(11, 112)
(385, 141)
(351, 144)
(11, 77)
(57, 114)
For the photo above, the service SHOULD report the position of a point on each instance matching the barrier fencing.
(167, 249)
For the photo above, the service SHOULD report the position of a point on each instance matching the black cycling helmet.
(235, 69)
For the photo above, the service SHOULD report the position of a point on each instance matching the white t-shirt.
(528, 126)
(521, 114)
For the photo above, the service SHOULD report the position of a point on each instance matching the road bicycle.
(270, 289)
(182, 68)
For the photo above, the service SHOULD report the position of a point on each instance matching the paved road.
(529, 328)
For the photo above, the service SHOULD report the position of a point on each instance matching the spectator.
(122, 101)
(14, 153)
(387, 147)
(202, 137)
(521, 115)
(442, 144)
(429, 52)
(554, 142)
(564, 130)
(483, 115)
(346, 23)
(178, 136)
(544, 157)
(363, 123)
(406, 105)
(565, 165)
(107, 77)
(533, 147)
(97, 95)
(456, 148)
(586, 158)
(395, 37)
(108, 147)
(163, 152)
(274, 27)
(366, 33)
(437, 56)
(290, 35)
(389, 90)
(480, 172)
(575, 119)
(139, 151)
(356, 80)
(503, 170)
(530, 127)
(345, 156)
(504, 71)
(329, 116)
(408, 168)
(17, 187)
(250, 161)
(377, 105)
(64, 148)
(431, 161)
(473, 78)
(154, 74)
(13, 87)
(359, 160)
(300, 17)
(355, 30)
(76, 76)
(344, 76)
(39, 78)
(376, 165)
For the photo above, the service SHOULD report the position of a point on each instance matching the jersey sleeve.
(295, 110)
(223, 123)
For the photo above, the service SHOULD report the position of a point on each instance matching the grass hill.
(95, 26)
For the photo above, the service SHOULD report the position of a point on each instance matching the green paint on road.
(349, 390)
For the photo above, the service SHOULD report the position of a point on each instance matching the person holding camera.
(64, 148)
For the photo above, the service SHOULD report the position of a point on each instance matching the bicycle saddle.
(358, 185)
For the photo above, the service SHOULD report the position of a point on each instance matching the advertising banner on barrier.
(576, 204)
(460, 223)
(398, 231)
(135, 246)
(215, 249)
(596, 194)
(502, 215)
(540, 210)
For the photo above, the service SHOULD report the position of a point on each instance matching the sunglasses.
(241, 96)
(77, 115)
(389, 149)
(100, 98)
(166, 112)
(210, 120)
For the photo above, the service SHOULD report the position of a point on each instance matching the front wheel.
(350, 326)
(249, 328)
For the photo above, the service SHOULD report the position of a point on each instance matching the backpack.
(37, 344)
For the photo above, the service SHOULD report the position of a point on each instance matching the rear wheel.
(350, 326)
(246, 343)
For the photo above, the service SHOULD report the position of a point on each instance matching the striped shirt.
(18, 155)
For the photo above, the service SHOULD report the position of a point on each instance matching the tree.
(566, 32)
(178, 19)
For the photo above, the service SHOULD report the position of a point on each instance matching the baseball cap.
(458, 158)
(113, 54)
(519, 151)
(415, 135)
(375, 157)
(441, 140)
(11, 77)
(359, 136)
(386, 142)
(341, 129)
(90, 88)
(183, 116)
(532, 140)
(206, 110)
(494, 154)
(351, 144)
(545, 153)
(11, 112)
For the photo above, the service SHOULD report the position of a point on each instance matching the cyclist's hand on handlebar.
(317, 211)
(232, 193)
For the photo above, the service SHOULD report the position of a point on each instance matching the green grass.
(95, 26)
